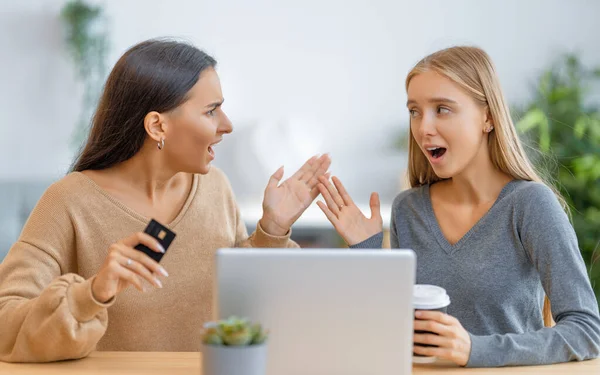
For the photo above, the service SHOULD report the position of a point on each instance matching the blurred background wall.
(299, 77)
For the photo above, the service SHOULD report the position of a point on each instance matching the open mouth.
(211, 149)
(436, 152)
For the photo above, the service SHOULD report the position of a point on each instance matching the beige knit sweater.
(47, 311)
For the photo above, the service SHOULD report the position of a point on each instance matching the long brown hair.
(472, 69)
(154, 75)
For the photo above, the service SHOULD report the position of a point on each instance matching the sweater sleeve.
(259, 238)
(373, 242)
(551, 244)
(47, 313)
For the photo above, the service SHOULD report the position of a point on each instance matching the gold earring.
(161, 144)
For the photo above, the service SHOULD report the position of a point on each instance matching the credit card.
(162, 234)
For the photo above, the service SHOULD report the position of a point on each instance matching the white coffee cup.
(432, 298)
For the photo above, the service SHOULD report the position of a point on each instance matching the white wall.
(331, 65)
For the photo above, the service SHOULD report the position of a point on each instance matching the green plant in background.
(563, 123)
(87, 40)
(233, 332)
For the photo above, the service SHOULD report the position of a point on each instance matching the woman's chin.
(443, 172)
(205, 169)
(200, 168)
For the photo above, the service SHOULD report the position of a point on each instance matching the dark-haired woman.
(148, 156)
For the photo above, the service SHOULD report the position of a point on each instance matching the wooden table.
(144, 363)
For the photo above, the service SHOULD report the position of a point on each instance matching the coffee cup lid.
(429, 297)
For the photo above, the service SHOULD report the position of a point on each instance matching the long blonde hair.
(472, 69)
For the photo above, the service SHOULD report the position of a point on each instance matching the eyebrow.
(215, 104)
(432, 100)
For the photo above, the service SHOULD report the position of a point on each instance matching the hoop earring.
(161, 144)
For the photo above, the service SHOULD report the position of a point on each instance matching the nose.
(427, 126)
(225, 125)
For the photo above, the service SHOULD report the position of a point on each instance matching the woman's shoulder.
(61, 198)
(525, 193)
(534, 202)
(411, 196)
(68, 187)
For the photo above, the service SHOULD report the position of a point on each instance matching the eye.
(211, 113)
(413, 113)
(443, 110)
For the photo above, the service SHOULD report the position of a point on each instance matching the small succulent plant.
(233, 331)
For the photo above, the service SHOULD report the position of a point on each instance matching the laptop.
(328, 311)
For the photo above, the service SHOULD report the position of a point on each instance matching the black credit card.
(162, 234)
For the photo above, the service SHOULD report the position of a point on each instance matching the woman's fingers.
(319, 168)
(144, 260)
(330, 215)
(432, 326)
(331, 204)
(346, 199)
(131, 277)
(144, 239)
(308, 165)
(140, 270)
(430, 339)
(333, 193)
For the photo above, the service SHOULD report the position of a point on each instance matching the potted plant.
(234, 346)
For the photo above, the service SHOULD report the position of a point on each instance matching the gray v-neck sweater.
(498, 273)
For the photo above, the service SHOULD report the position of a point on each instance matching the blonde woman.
(483, 225)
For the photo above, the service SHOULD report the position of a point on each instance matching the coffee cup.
(430, 298)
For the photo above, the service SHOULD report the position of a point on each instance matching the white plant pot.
(234, 360)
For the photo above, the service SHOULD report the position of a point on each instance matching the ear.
(155, 126)
(488, 124)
